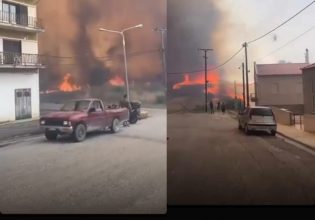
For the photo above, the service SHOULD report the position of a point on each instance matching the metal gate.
(23, 105)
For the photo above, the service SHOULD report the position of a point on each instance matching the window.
(14, 14)
(9, 12)
(261, 112)
(98, 106)
(275, 88)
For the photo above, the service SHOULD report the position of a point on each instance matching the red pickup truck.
(78, 117)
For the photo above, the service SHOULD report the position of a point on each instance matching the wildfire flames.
(117, 81)
(212, 77)
(67, 85)
(213, 84)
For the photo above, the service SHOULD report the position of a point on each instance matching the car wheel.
(273, 133)
(51, 135)
(79, 133)
(247, 131)
(115, 126)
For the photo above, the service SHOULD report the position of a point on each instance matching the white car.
(257, 118)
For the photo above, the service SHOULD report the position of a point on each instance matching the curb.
(19, 122)
(296, 141)
(19, 138)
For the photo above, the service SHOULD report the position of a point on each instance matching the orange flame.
(117, 81)
(212, 78)
(67, 86)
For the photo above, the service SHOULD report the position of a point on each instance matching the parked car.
(78, 117)
(257, 118)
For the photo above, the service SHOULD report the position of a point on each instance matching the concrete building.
(19, 60)
(309, 97)
(280, 85)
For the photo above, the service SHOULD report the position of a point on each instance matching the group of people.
(220, 107)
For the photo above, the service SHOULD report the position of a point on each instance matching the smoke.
(74, 44)
(192, 25)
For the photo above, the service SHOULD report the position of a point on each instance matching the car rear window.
(261, 112)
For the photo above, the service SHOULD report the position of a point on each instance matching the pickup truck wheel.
(79, 133)
(273, 133)
(51, 135)
(115, 126)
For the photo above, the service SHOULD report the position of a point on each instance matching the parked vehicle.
(78, 117)
(257, 118)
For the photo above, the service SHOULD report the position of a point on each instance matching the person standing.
(211, 107)
(219, 106)
(223, 108)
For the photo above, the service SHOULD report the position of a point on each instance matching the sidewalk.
(17, 129)
(300, 136)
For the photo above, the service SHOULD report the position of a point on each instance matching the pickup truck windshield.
(76, 106)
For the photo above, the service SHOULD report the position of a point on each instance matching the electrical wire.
(286, 44)
(299, 12)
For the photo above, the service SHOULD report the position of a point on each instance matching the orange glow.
(214, 83)
(199, 79)
(117, 81)
(67, 86)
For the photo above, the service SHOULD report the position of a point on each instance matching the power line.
(286, 44)
(299, 12)
(215, 68)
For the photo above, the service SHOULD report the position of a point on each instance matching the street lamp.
(122, 33)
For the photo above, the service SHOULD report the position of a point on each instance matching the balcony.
(20, 22)
(20, 60)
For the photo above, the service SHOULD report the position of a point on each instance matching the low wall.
(283, 117)
(309, 123)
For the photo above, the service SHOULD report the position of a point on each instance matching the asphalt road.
(123, 173)
(211, 162)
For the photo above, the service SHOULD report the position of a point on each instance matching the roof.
(309, 67)
(280, 69)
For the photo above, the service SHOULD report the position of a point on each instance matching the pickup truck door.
(97, 117)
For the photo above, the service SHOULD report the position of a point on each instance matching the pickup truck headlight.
(66, 123)
(42, 122)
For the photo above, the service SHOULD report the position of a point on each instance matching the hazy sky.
(245, 20)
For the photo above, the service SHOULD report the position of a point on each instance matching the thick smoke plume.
(192, 25)
(73, 44)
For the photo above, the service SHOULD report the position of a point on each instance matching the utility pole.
(246, 67)
(243, 73)
(162, 32)
(205, 50)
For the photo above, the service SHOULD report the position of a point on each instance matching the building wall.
(288, 92)
(11, 81)
(309, 91)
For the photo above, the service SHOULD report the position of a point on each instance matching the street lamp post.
(122, 33)
(163, 32)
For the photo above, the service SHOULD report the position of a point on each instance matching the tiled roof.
(280, 69)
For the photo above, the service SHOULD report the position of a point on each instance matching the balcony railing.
(18, 59)
(20, 20)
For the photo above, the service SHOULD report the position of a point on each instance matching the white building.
(19, 60)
